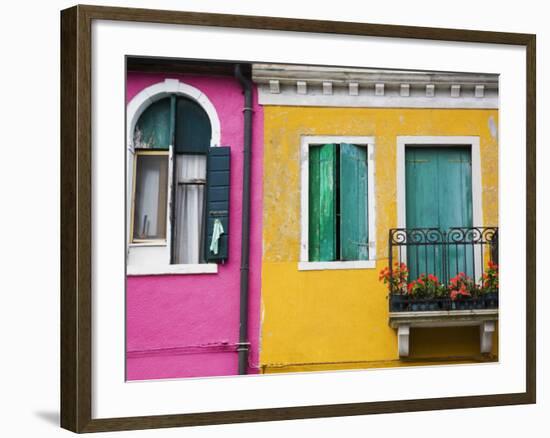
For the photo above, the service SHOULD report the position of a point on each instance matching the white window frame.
(306, 142)
(442, 141)
(153, 257)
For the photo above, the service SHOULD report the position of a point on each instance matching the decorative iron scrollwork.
(458, 235)
(444, 254)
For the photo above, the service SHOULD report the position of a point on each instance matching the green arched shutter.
(193, 130)
(153, 127)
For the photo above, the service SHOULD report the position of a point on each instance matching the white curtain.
(150, 208)
(190, 180)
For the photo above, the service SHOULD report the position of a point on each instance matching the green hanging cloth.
(216, 234)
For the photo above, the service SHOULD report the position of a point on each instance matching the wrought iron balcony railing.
(443, 254)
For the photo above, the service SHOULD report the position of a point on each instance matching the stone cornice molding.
(296, 85)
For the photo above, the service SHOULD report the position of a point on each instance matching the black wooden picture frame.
(76, 217)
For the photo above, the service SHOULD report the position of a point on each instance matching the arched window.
(171, 141)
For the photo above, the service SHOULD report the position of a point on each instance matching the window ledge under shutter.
(325, 266)
(196, 268)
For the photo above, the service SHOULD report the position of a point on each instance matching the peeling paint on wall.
(493, 127)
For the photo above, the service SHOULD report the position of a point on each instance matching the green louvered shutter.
(322, 203)
(354, 229)
(439, 195)
(218, 166)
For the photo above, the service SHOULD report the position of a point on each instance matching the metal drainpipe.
(243, 346)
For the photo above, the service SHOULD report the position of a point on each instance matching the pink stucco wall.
(188, 325)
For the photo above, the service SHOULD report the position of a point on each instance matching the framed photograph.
(268, 219)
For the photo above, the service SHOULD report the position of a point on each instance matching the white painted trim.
(147, 243)
(353, 89)
(338, 265)
(486, 331)
(371, 175)
(352, 139)
(304, 199)
(445, 141)
(430, 90)
(443, 318)
(355, 101)
(373, 88)
(455, 91)
(289, 73)
(306, 141)
(274, 87)
(479, 90)
(204, 268)
(157, 91)
(403, 333)
(130, 158)
(356, 96)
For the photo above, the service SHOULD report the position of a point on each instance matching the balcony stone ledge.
(484, 318)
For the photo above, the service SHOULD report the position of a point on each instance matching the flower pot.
(398, 303)
(491, 300)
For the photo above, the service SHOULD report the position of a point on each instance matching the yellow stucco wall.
(338, 319)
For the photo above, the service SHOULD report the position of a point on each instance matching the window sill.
(326, 266)
(149, 243)
(202, 268)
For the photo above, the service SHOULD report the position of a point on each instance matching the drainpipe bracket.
(243, 346)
